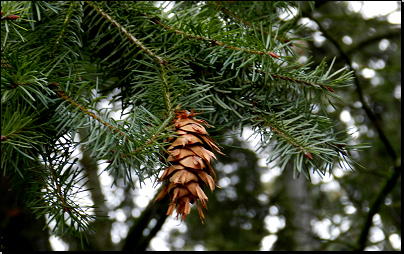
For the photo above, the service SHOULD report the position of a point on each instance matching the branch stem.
(295, 80)
(304, 151)
(138, 43)
(211, 40)
(59, 193)
(248, 23)
(62, 94)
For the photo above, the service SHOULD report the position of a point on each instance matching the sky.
(368, 9)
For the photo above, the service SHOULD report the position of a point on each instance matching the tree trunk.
(294, 197)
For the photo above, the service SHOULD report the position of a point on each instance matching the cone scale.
(189, 154)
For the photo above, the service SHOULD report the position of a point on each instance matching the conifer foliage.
(235, 61)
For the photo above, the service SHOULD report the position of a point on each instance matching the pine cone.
(189, 154)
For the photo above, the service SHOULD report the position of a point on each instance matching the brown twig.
(138, 43)
(137, 149)
(247, 23)
(211, 40)
(296, 80)
(304, 151)
(62, 94)
(55, 179)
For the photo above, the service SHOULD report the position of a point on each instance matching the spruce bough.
(233, 62)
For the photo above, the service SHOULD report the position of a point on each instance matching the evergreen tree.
(233, 62)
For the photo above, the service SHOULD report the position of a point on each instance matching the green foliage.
(61, 59)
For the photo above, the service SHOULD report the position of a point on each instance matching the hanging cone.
(190, 154)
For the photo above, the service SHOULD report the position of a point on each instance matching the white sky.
(368, 9)
(371, 9)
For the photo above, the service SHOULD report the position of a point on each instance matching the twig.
(211, 40)
(138, 43)
(247, 23)
(62, 94)
(296, 80)
(59, 193)
(64, 26)
(305, 152)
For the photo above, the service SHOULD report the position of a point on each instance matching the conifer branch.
(137, 149)
(65, 24)
(211, 40)
(138, 43)
(304, 151)
(166, 91)
(366, 108)
(295, 80)
(247, 23)
(55, 179)
(152, 90)
(63, 95)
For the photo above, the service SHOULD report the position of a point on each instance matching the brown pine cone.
(190, 155)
